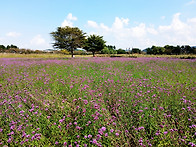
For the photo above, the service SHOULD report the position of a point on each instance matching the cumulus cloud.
(92, 24)
(179, 32)
(13, 34)
(123, 35)
(69, 20)
(119, 23)
(139, 31)
(38, 40)
(71, 17)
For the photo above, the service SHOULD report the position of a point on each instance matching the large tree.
(69, 38)
(94, 43)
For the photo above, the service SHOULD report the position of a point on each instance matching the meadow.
(97, 101)
(54, 55)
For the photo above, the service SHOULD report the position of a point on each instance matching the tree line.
(15, 49)
(108, 49)
(171, 50)
(6, 48)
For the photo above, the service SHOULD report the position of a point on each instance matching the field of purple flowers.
(97, 102)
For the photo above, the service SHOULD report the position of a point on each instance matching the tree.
(94, 43)
(69, 38)
(11, 46)
(105, 50)
(149, 50)
(110, 47)
(136, 50)
(2, 48)
(188, 49)
(121, 51)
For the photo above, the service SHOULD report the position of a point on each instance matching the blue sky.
(125, 23)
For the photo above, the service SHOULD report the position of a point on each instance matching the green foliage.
(110, 47)
(121, 51)
(109, 50)
(94, 43)
(171, 50)
(69, 38)
(136, 50)
(2, 47)
(105, 51)
(9, 48)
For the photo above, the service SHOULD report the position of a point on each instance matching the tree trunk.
(72, 54)
(93, 54)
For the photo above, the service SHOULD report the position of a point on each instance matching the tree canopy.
(171, 50)
(69, 38)
(94, 43)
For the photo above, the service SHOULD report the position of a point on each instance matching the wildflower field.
(97, 102)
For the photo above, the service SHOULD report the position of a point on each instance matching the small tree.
(94, 43)
(136, 50)
(121, 51)
(105, 50)
(69, 38)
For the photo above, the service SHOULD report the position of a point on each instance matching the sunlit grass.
(50, 55)
(12, 55)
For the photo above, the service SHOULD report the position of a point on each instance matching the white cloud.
(92, 24)
(106, 28)
(69, 20)
(67, 23)
(38, 40)
(151, 30)
(179, 32)
(191, 2)
(120, 22)
(123, 35)
(139, 31)
(192, 20)
(13, 34)
(71, 17)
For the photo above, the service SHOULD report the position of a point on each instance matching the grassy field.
(11, 55)
(97, 102)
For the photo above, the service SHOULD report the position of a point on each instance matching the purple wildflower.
(165, 132)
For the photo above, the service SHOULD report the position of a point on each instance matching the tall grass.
(97, 102)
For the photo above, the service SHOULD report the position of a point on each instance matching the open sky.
(123, 23)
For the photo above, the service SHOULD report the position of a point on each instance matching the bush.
(108, 51)
(65, 52)
(121, 51)
(105, 51)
